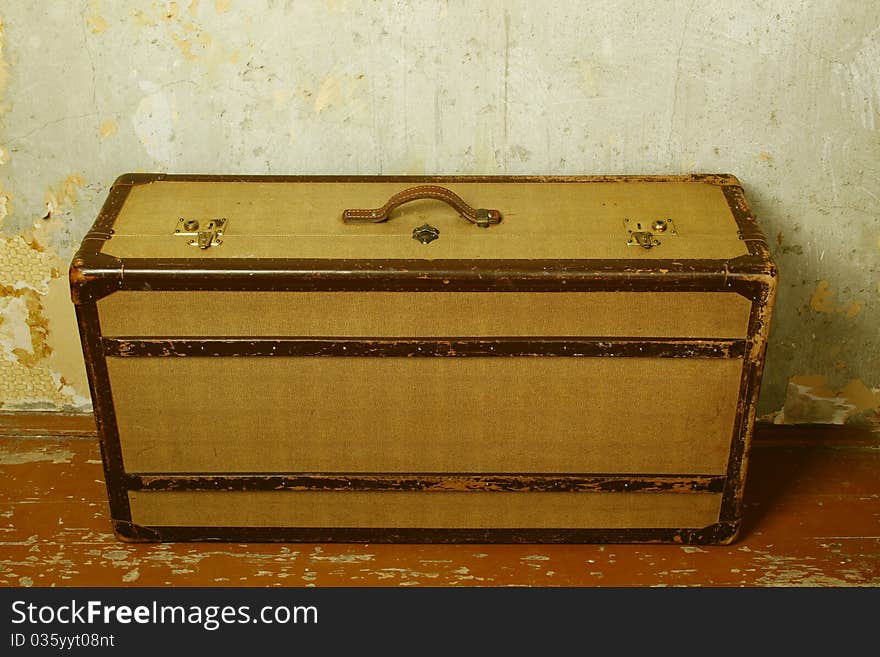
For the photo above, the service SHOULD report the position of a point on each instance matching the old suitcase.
(424, 359)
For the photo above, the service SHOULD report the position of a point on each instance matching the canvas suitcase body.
(477, 359)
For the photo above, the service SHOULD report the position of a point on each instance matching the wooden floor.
(812, 519)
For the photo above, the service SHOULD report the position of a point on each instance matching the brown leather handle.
(481, 217)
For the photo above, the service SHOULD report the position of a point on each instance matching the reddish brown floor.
(812, 519)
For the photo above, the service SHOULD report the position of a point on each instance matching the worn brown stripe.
(93, 275)
(97, 275)
(713, 534)
(749, 231)
(397, 347)
(523, 482)
(105, 415)
(750, 388)
(142, 178)
(597, 268)
(446, 275)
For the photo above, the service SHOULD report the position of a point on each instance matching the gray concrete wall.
(783, 94)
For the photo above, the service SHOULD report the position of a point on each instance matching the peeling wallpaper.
(783, 94)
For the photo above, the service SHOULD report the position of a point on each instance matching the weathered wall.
(783, 94)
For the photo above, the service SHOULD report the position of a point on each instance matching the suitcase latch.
(644, 234)
(202, 234)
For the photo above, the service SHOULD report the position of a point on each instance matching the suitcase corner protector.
(93, 276)
(130, 532)
(719, 179)
(132, 179)
(720, 533)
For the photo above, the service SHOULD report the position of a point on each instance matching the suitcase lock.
(426, 233)
(643, 234)
(203, 234)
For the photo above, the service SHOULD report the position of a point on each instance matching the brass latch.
(645, 234)
(203, 233)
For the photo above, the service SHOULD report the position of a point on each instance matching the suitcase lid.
(541, 218)
(283, 232)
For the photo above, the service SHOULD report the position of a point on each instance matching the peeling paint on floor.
(342, 558)
(54, 523)
(49, 453)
